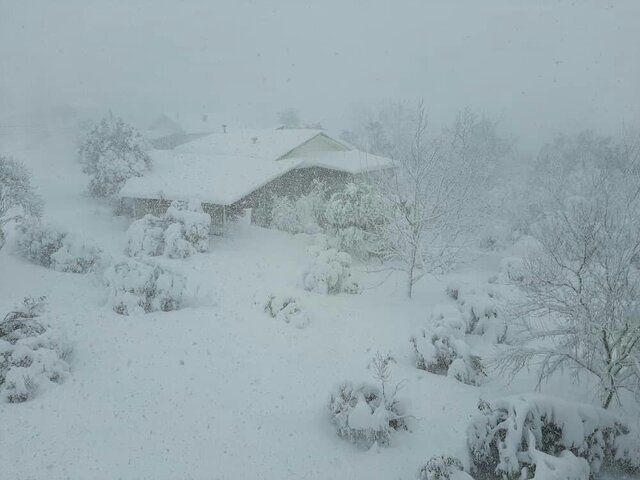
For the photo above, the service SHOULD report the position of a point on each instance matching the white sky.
(538, 66)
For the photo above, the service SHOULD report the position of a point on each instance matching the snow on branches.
(32, 353)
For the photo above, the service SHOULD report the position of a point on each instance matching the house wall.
(292, 184)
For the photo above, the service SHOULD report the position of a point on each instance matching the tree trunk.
(607, 400)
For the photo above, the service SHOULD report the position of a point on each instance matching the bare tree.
(581, 298)
(427, 199)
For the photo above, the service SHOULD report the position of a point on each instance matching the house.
(169, 131)
(238, 170)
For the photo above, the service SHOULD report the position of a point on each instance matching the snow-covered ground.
(220, 390)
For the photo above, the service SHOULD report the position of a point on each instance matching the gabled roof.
(224, 168)
(254, 143)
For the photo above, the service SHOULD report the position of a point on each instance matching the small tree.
(426, 200)
(111, 153)
(16, 189)
(581, 293)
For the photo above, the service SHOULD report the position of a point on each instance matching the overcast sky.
(538, 66)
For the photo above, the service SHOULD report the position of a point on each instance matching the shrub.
(353, 216)
(181, 232)
(32, 355)
(76, 255)
(329, 272)
(136, 287)
(146, 237)
(516, 436)
(37, 242)
(50, 247)
(480, 311)
(441, 467)
(303, 215)
(512, 269)
(288, 309)
(442, 351)
(193, 227)
(366, 414)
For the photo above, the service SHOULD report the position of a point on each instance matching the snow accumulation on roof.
(266, 144)
(223, 168)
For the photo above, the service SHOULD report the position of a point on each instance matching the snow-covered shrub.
(512, 269)
(287, 308)
(16, 189)
(137, 287)
(111, 153)
(353, 216)
(188, 229)
(516, 436)
(303, 215)
(366, 414)
(32, 354)
(480, 311)
(441, 467)
(76, 255)
(329, 272)
(37, 242)
(146, 237)
(181, 232)
(443, 351)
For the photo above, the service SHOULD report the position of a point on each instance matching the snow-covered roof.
(224, 168)
(267, 144)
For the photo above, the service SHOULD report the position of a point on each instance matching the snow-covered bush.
(366, 413)
(37, 242)
(111, 153)
(181, 232)
(442, 467)
(16, 189)
(443, 351)
(287, 308)
(46, 245)
(515, 437)
(188, 229)
(304, 215)
(480, 310)
(353, 216)
(76, 255)
(136, 287)
(512, 269)
(32, 354)
(329, 272)
(146, 237)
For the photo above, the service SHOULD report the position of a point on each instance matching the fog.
(536, 67)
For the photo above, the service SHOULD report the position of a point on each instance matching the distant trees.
(112, 152)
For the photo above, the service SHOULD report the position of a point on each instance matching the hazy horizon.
(535, 68)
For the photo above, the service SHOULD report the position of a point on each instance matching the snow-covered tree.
(112, 152)
(581, 291)
(303, 215)
(354, 217)
(428, 200)
(16, 189)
